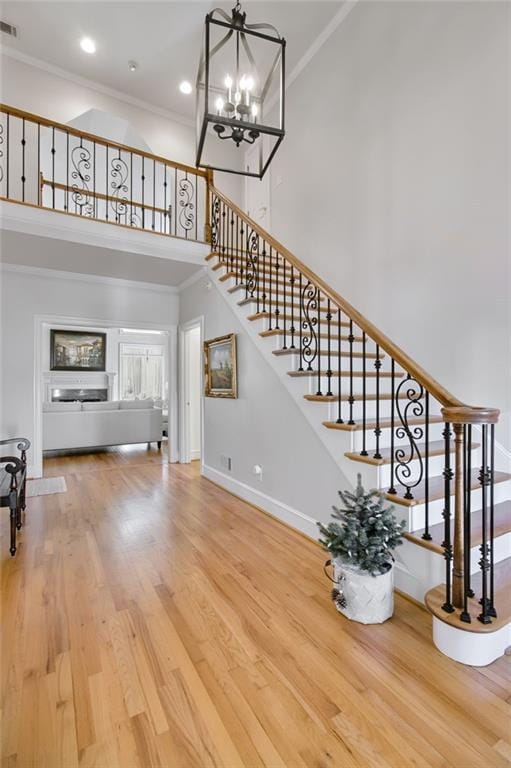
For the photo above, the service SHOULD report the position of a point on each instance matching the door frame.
(41, 320)
(184, 442)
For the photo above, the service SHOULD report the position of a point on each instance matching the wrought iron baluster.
(426, 535)
(484, 617)
(243, 272)
(491, 477)
(270, 294)
(95, 204)
(329, 349)
(106, 182)
(165, 216)
(339, 378)
(447, 545)
(409, 405)
(318, 356)
(223, 243)
(392, 488)
(237, 278)
(231, 235)
(7, 153)
(143, 193)
(467, 471)
(154, 195)
(351, 399)
(53, 167)
(377, 431)
(264, 276)
(66, 204)
(175, 201)
(196, 206)
(363, 452)
(40, 193)
(277, 310)
(284, 305)
(292, 326)
(23, 143)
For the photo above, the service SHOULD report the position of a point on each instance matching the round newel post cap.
(465, 414)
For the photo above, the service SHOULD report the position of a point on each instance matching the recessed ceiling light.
(185, 87)
(88, 45)
(132, 66)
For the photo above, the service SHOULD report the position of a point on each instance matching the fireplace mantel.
(77, 380)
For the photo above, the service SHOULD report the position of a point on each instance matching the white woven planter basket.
(369, 599)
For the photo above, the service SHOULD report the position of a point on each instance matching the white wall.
(193, 377)
(396, 183)
(262, 426)
(25, 295)
(57, 98)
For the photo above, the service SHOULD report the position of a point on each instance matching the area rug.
(45, 485)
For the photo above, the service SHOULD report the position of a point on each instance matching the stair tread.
(384, 424)
(502, 599)
(285, 305)
(502, 525)
(436, 448)
(324, 353)
(436, 488)
(357, 397)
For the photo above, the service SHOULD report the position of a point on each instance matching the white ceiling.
(163, 37)
(34, 251)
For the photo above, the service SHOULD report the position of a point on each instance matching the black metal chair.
(13, 481)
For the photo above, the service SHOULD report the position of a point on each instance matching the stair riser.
(436, 466)
(435, 433)
(385, 410)
(294, 361)
(415, 515)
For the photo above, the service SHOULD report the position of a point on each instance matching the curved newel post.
(462, 418)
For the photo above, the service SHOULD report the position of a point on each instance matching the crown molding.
(118, 282)
(202, 272)
(65, 74)
(316, 46)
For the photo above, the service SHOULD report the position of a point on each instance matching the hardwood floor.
(151, 619)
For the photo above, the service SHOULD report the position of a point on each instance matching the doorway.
(191, 392)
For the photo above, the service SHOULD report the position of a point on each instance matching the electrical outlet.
(258, 472)
(226, 462)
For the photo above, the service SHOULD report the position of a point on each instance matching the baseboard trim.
(194, 455)
(285, 514)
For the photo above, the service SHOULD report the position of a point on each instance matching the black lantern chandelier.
(240, 94)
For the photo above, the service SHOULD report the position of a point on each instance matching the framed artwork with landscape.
(220, 374)
(77, 350)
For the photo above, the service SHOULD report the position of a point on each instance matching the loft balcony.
(58, 181)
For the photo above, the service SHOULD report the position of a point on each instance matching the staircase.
(380, 414)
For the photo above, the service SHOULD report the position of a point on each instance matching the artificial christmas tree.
(360, 541)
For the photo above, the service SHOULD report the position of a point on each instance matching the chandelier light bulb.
(219, 104)
(228, 81)
(255, 110)
(249, 83)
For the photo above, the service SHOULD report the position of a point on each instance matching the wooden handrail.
(444, 397)
(6, 109)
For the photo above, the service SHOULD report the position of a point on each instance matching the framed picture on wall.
(220, 373)
(77, 351)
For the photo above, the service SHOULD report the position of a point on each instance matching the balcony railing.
(54, 166)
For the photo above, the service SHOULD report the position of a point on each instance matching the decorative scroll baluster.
(448, 475)
(80, 159)
(309, 301)
(186, 217)
(408, 407)
(119, 175)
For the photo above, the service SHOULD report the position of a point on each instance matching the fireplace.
(82, 395)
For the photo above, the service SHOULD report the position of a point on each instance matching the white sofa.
(91, 425)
